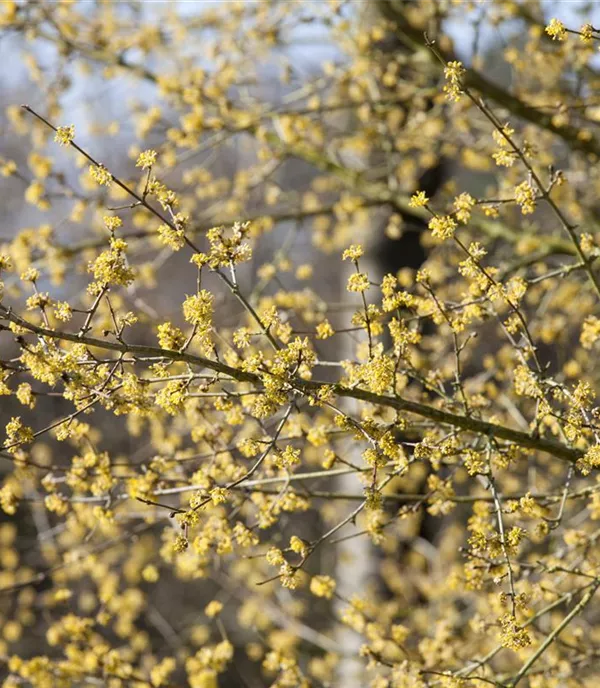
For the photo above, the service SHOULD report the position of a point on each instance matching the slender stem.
(577, 609)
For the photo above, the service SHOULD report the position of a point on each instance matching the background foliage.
(298, 326)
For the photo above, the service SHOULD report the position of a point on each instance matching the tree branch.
(468, 424)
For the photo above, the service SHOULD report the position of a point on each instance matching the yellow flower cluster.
(250, 433)
(322, 586)
(100, 175)
(525, 197)
(17, 433)
(358, 282)
(198, 309)
(65, 135)
(454, 72)
(353, 253)
(463, 205)
(556, 30)
(111, 267)
(442, 226)
(512, 635)
(418, 200)
(146, 159)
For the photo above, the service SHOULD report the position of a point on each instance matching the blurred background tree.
(299, 484)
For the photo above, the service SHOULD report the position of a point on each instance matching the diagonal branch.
(481, 427)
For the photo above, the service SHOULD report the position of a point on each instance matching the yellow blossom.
(324, 330)
(525, 197)
(322, 586)
(353, 253)
(358, 282)
(112, 222)
(65, 135)
(146, 159)
(198, 309)
(16, 434)
(454, 72)
(100, 175)
(213, 608)
(462, 207)
(418, 200)
(442, 226)
(586, 33)
(556, 30)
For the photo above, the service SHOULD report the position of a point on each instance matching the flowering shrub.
(235, 452)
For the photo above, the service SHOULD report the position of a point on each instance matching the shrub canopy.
(298, 326)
